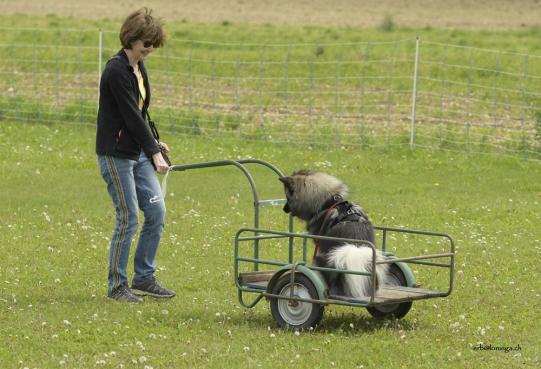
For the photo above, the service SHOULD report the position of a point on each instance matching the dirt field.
(473, 14)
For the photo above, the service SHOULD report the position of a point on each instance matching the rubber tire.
(316, 313)
(394, 311)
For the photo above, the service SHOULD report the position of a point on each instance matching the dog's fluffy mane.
(318, 189)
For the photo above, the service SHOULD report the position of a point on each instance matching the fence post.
(362, 102)
(100, 52)
(260, 90)
(523, 98)
(414, 94)
(190, 89)
(237, 89)
(285, 91)
(337, 98)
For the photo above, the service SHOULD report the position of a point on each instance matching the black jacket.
(122, 128)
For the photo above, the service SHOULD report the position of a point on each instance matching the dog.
(320, 200)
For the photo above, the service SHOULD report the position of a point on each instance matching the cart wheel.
(297, 315)
(397, 311)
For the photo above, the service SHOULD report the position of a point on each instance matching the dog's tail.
(351, 257)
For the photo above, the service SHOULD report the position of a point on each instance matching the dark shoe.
(151, 287)
(124, 294)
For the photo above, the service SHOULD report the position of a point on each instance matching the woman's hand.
(165, 146)
(161, 165)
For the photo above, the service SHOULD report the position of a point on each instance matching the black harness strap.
(347, 212)
(335, 201)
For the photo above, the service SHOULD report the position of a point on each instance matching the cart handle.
(236, 163)
(219, 163)
(239, 165)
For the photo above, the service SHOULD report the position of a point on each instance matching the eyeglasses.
(148, 44)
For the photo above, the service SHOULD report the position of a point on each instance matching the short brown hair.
(141, 25)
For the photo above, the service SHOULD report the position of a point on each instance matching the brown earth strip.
(465, 14)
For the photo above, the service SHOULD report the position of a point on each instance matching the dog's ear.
(287, 181)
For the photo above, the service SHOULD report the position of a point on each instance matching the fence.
(406, 92)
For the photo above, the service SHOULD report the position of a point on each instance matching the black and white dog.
(320, 200)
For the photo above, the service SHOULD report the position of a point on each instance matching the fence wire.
(344, 94)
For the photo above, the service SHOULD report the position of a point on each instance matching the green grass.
(56, 219)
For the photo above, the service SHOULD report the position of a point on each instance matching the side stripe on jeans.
(123, 220)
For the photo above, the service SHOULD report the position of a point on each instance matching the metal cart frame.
(262, 283)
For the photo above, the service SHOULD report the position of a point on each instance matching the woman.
(128, 152)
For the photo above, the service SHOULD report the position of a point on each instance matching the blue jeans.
(133, 185)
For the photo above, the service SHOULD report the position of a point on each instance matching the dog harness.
(347, 212)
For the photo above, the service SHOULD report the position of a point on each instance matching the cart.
(297, 291)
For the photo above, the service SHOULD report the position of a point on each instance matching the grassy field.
(56, 219)
(478, 90)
